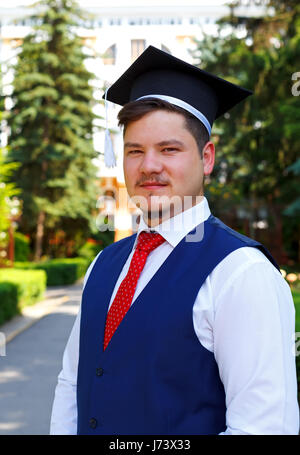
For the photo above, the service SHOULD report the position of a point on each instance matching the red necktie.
(146, 243)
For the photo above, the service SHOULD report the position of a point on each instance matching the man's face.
(162, 164)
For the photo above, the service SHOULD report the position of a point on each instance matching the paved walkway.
(33, 354)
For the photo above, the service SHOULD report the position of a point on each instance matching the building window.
(109, 57)
(115, 21)
(137, 48)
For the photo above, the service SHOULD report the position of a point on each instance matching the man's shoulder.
(241, 267)
(220, 225)
(245, 257)
(241, 240)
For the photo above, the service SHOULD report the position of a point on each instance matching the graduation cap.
(157, 74)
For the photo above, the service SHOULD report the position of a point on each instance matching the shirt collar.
(176, 228)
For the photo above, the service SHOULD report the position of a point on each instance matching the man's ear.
(208, 157)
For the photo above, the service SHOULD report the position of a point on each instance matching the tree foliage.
(258, 141)
(8, 191)
(52, 124)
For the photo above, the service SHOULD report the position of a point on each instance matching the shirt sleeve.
(64, 409)
(254, 329)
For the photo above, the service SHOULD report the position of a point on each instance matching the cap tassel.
(109, 156)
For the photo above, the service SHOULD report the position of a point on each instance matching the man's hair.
(135, 110)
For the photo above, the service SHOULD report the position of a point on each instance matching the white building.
(118, 32)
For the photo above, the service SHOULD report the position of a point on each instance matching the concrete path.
(33, 357)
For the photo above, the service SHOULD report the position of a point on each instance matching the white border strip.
(184, 105)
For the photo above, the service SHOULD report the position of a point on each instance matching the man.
(186, 327)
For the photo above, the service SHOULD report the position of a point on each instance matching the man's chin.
(161, 212)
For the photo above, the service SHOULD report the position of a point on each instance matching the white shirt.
(244, 313)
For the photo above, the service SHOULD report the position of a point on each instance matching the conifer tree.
(51, 125)
(7, 191)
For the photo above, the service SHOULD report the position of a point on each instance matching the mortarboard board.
(156, 73)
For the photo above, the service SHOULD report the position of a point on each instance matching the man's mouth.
(152, 184)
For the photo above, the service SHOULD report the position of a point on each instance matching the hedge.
(59, 271)
(19, 288)
(8, 301)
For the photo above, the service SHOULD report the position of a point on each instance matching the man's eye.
(133, 152)
(169, 149)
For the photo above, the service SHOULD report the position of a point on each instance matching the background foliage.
(256, 178)
(52, 123)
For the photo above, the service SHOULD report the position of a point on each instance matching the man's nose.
(151, 162)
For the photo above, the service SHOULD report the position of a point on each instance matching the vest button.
(93, 423)
(99, 371)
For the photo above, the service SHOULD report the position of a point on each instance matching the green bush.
(59, 271)
(19, 288)
(89, 250)
(8, 301)
(22, 248)
(95, 243)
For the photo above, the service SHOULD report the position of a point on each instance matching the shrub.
(22, 248)
(8, 301)
(19, 288)
(89, 250)
(96, 243)
(59, 271)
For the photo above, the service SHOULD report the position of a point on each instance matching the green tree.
(259, 140)
(7, 190)
(52, 124)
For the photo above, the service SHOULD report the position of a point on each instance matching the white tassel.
(109, 156)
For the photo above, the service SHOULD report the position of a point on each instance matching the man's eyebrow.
(170, 142)
(160, 144)
(132, 144)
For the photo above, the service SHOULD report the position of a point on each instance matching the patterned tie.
(146, 243)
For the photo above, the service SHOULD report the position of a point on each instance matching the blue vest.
(155, 377)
